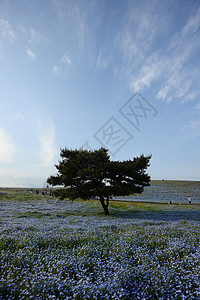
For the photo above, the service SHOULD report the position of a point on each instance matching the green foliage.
(89, 174)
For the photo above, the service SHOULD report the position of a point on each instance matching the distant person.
(189, 200)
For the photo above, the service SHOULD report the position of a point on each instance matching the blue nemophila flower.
(77, 257)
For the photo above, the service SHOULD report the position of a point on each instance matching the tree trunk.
(104, 205)
(107, 201)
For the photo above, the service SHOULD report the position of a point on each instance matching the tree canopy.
(90, 174)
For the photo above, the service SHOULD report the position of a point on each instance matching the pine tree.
(90, 174)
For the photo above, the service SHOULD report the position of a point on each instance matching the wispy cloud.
(149, 72)
(135, 43)
(6, 31)
(128, 46)
(189, 97)
(176, 81)
(145, 60)
(22, 28)
(142, 26)
(63, 66)
(35, 36)
(193, 24)
(47, 142)
(55, 70)
(66, 60)
(31, 54)
(102, 61)
(73, 14)
(179, 76)
(75, 19)
(7, 148)
(195, 124)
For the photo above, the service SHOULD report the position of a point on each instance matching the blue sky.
(120, 74)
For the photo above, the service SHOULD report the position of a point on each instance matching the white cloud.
(75, 19)
(102, 62)
(36, 36)
(192, 125)
(6, 31)
(22, 28)
(184, 88)
(55, 70)
(189, 97)
(141, 65)
(145, 23)
(62, 66)
(193, 24)
(147, 75)
(66, 60)
(127, 45)
(180, 76)
(149, 72)
(162, 94)
(7, 149)
(171, 66)
(31, 54)
(47, 142)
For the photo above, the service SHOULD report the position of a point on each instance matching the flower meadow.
(53, 249)
(168, 190)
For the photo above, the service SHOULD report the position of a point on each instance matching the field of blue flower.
(53, 249)
(163, 191)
